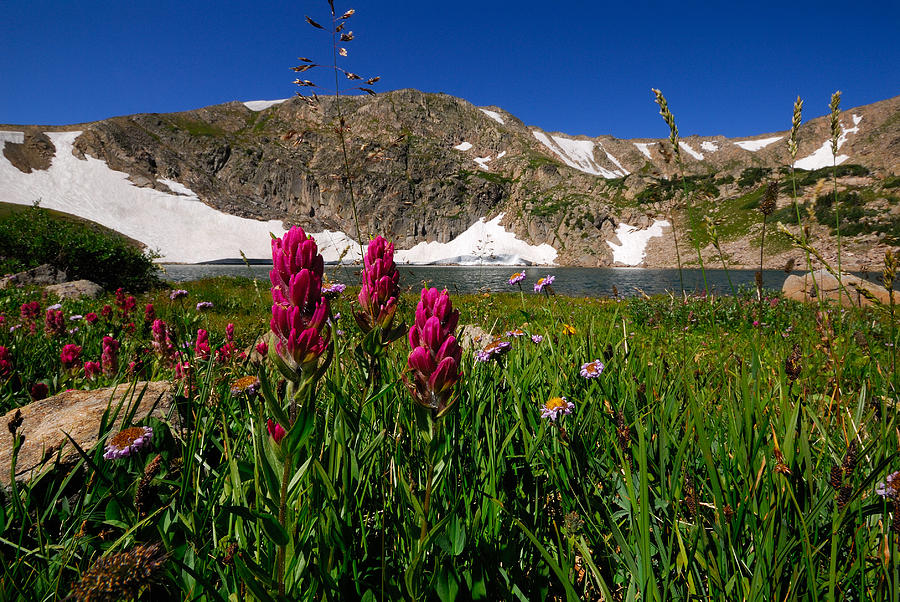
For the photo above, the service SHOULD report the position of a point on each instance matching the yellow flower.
(568, 329)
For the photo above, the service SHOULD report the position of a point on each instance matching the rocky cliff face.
(425, 167)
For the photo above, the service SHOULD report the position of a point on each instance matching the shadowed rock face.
(415, 181)
(45, 423)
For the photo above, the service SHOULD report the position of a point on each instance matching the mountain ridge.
(427, 166)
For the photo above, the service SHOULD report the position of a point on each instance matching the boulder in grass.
(821, 284)
(75, 290)
(78, 413)
(41, 275)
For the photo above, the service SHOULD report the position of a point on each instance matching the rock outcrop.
(856, 292)
(46, 423)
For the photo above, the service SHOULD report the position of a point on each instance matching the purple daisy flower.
(517, 278)
(543, 283)
(592, 369)
(178, 294)
(128, 441)
(204, 305)
(890, 487)
(556, 406)
(333, 290)
(493, 350)
(536, 338)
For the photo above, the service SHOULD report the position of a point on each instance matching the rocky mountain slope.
(426, 167)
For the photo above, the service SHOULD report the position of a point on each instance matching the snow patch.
(483, 243)
(709, 146)
(14, 137)
(633, 241)
(463, 146)
(178, 188)
(259, 105)
(180, 227)
(482, 162)
(614, 161)
(686, 148)
(755, 145)
(501, 155)
(493, 115)
(822, 157)
(577, 153)
(644, 147)
(337, 247)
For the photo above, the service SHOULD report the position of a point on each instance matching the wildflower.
(204, 305)
(435, 357)
(30, 311)
(178, 294)
(91, 370)
(568, 329)
(536, 338)
(592, 369)
(299, 312)
(162, 343)
(106, 312)
(493, 350)
(380, 288)
(39, 390)
(262, 348)
(890, 487)
(543, 283)
(276, 431)
(229, 332)
(333, 290)
(201, 347)
(517, 278)
(225, 353)
(55, 306)
(149, 313)
(516, 332)
(5, 362)
(70, 355)
(127, 442)
(125, 304)
(91, 317)
(556, 406)
(246, 385)
(110, 356)
(122, 575)
(75, 317)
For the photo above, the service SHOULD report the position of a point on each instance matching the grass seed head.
(121, 576)
(795, 127)
(835, 107)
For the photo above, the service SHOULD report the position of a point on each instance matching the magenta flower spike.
(109, 359)
(434, 361)
(380, 286)
(299, 311)
(70, 356)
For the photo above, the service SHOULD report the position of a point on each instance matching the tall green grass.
(695, 466)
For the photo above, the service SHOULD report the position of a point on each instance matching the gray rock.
(75, 289)
(472, 337)
(810, 287)
(41, 275)
(45, 423)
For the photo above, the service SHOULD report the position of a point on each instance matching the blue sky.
(576, 67)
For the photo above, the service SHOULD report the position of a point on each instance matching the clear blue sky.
(577, 67)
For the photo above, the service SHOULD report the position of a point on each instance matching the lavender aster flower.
(556, 406)
(55, 306)
(178, 294)
(543, 283)
(890, 487)
(333, 290)
(517, 278)
(204, 305)
(493, 350)
(536, 338)
(76, 317)
(128, 441)
(592, 369)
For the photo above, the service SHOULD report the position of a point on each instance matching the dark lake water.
(469, 279)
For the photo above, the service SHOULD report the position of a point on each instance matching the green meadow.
(730, 448)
